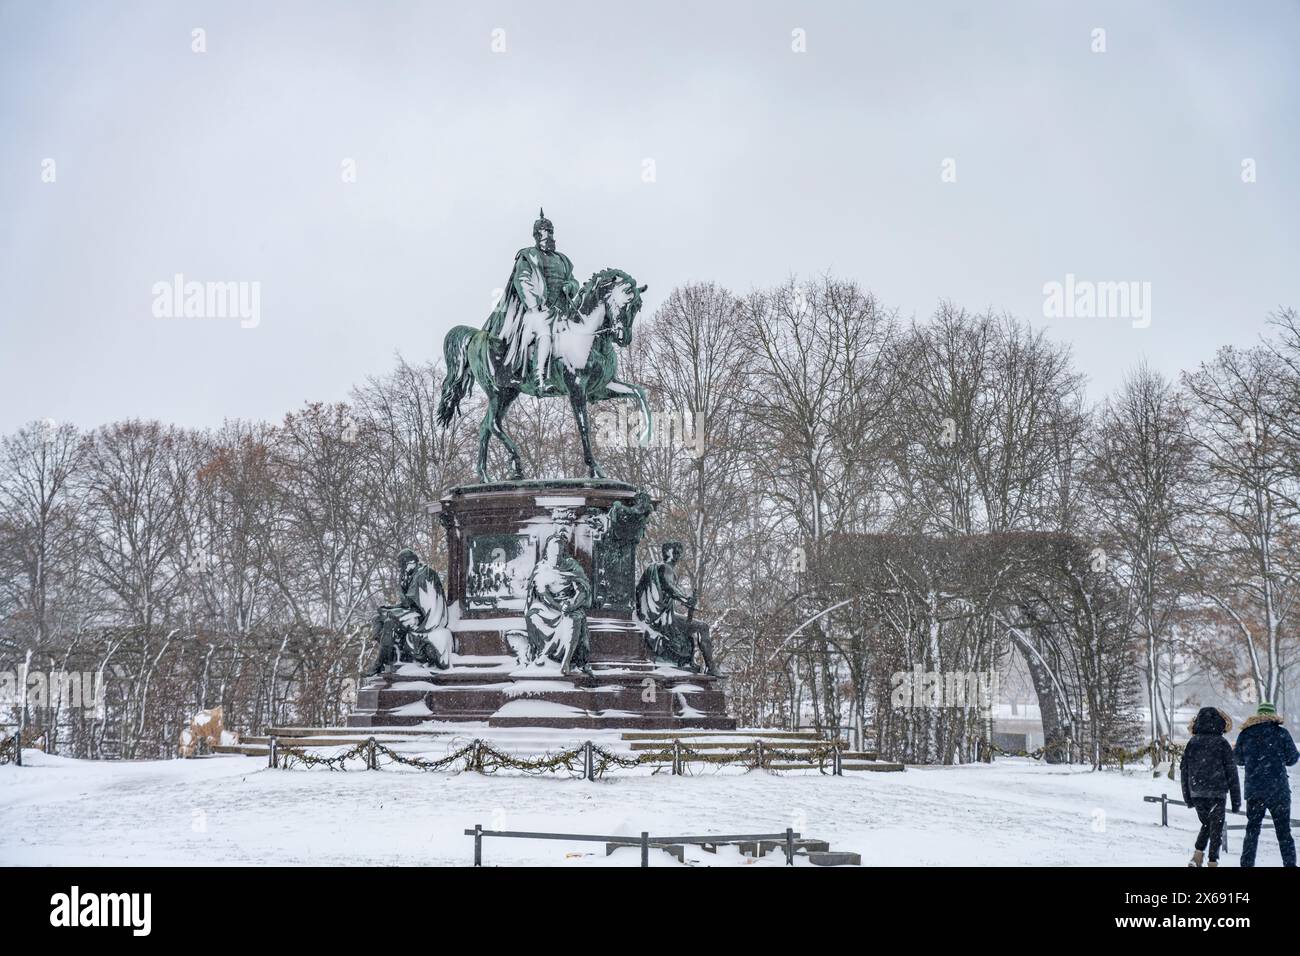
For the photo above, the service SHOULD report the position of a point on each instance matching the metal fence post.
(761, 759)
(18, 746)
(273, 761)
(837, 761)
(645, 848)
(677, 757)
(478, 844)
(1164, 809)
(588, 761)
(372, 762)
(789, 846)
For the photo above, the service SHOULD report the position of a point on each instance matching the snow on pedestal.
(494, 533)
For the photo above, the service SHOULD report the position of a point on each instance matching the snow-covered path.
(233, 810)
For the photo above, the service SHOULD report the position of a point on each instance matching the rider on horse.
(548, 337)
(541, 288)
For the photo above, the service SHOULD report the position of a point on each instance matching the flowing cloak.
(425, 596)
(526, 292)
(420, 617)
(665, 631)
(549, 588)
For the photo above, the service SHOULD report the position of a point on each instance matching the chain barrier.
(1156, 750)
(1111, 754)
(481, 757)
(289, 757)
(490, 760)
(606, 758)
(981, 745)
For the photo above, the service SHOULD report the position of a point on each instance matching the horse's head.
(620, 297)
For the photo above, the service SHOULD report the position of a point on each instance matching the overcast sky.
(228, 165)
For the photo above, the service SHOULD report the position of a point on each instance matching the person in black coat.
(1209, 775)
(1265, 749)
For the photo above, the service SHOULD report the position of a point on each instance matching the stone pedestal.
(494, 536)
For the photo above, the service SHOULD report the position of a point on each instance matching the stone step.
(715, 757)
(730, 758)
(609, 700)
(739, 734)
(369, 722)
(254, 750)
(348, 731)
(726, 744)
(479, 702)
(725, 757)
(600, 722)
(336, 741)
(790, 765)
(880, 766)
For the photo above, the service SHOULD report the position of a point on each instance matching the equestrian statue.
(547, 337)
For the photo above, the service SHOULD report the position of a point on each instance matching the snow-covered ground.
(234, 810)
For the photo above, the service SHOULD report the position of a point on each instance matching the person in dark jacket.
(1265, 749)
(1209, 776)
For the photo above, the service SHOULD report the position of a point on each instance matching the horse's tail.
(460, 379)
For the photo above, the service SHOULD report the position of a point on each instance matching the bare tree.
(1139, 473)
(1240, 549)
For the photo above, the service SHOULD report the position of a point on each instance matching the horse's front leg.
(505, 401)
(618, 387)
(577, 386)
(484, 434)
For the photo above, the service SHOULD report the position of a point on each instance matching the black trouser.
(1210, 810)
(1279, 808)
